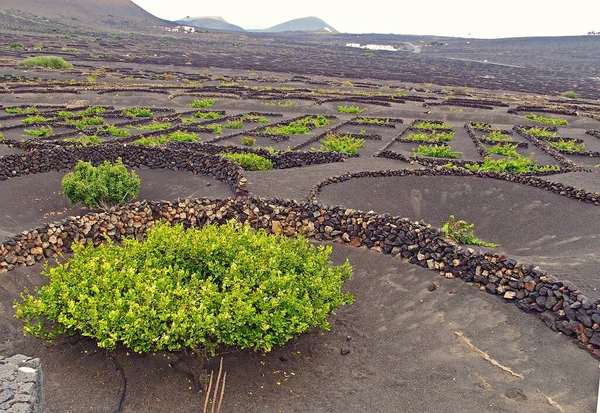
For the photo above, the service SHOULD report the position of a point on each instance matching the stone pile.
(20, 385)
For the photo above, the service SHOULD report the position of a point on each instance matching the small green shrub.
(103, 186)
(155, 126)
(542, 133)
(249, 161)
(433, 137)
(245, 140)
(216, 128)
(178, 136)
(194, 289)
(570, 94)
(83, 123)
(282, 104)
(373, 121)
(569, 145)
(504, 149)
(482, 126)
(519, 164)
(39, 133)
(342, 143)
(85, 140)
(549, 121)
(16, 46)
(35, 119)
(21, 111)
(463, 233)
(257, 118)
(45, 61)
(441, 151)
(201, 103)
(350, 109)
(498, 137)
(92, 110)
(63, 114)
(137, 112)
(207, 115)
(116, 131)
(299, 127)
(431, 125)
(234, 124)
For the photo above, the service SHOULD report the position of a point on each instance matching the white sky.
(461, 18)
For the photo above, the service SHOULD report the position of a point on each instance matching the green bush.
(541, 133)
(431, 137)
(178, 136)
(35, 119)
(257, 118)
(245, 140)
(45, 61)
(350, 109)
(137, 112)
(83, 123)
(570, 94)
(300, 126)
(249, 161)
(39, 133)
(498, 137)
(151, 126)
(431, 125)
(463, 233)
(342, 143)
(103, 186)
(282, 104)
(197, 289)
(569, 145)
(216, 128)
(202, 103)
(207, 115)
(549, 121)
(234, 124)
(504, 149)
(441, 151)
(116, 131)
(373, 121)
(92, 110)
(519, 164)
(85, 140)
(21, 111)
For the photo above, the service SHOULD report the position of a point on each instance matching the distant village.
(386, 47)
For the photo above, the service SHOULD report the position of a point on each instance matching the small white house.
(385, 47)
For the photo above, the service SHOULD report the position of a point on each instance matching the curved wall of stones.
(559, 304)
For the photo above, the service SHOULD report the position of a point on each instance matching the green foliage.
(63, 114)
(216, 128)
(178, 136)
(39, 133)
(234, 124)
(21, 111)
(437, 151)
(101, 186)
(504, 149)
(463, 233)
(116, 131)
(151, 126)
(350, 109)
(342, 143)
(498, 137)
(207, 115)
(482, 126)
(431, 125)
(35, 119)
(197, 289)
(519, 164)
(85, 140)
(83, 123)
(202, 103)
(16, 46)
(542, 119)
(92, 110)
(433, 137)
(542, 133)
(282, 104)
(246, 140)
(570, 94)
(257, 118)
(249, 161)
(373, 121)
(45, 61)
(137, 112)
(569, 145)
(299, 127)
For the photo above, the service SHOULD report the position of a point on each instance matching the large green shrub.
(249, 161)
(196, 289)
(103, 186)
(46, 61)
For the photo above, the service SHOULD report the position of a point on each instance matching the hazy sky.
(463, 18)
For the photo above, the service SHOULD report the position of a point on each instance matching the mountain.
(207, 22)
(95, 11)
(304, 24)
